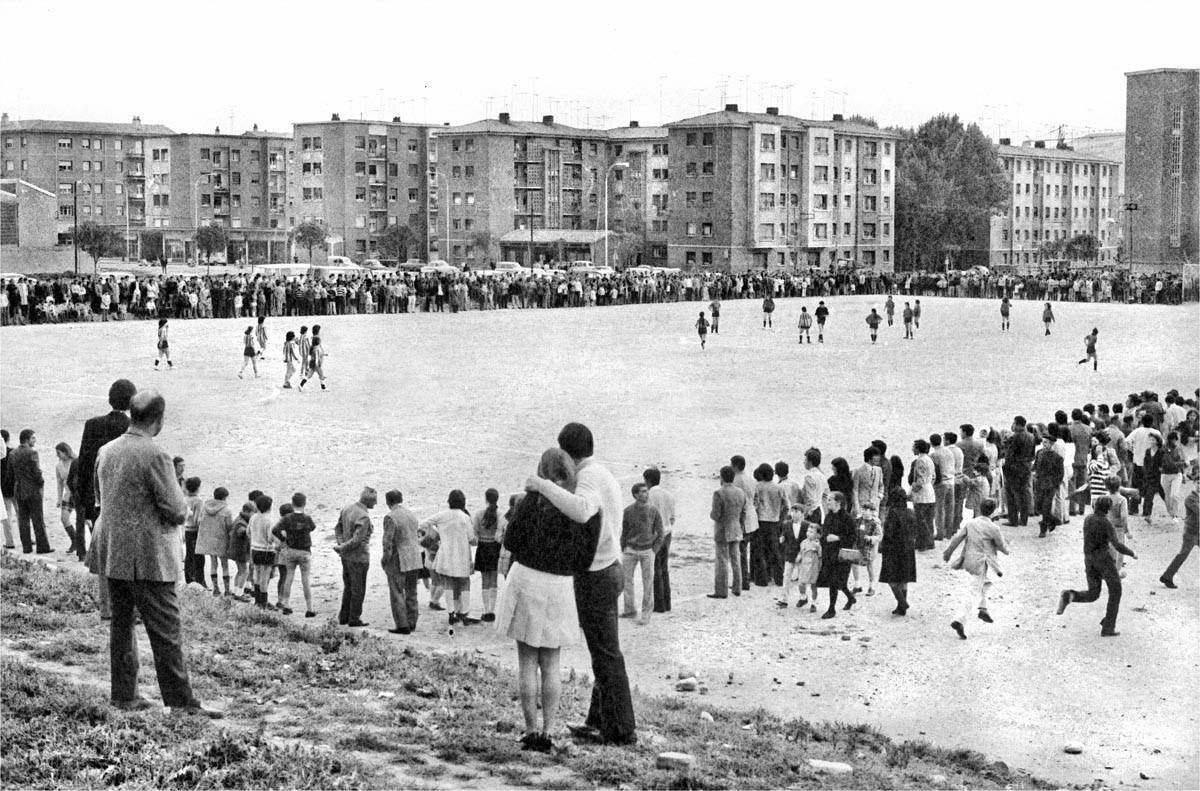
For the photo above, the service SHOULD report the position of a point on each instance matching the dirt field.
(428, 403)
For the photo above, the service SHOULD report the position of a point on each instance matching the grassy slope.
(320, 706)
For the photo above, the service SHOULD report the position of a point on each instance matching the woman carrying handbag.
(838, 553)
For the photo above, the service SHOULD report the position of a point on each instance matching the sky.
(1019, 69)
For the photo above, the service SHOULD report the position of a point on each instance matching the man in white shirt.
(610, 715)
(664, 502)
(1139, 441)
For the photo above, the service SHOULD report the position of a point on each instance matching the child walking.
(164, 348)
(702, 329)
(316, 363)
(262, 549)
(487, 556)
(805, 324)
(249, 353)
(456, 536)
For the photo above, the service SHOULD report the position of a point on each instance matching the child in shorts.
(262, 549)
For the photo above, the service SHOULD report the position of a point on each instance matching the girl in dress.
(455, 536)
(809, 566)
(537, 606)
(164, 348)
(487, 555)
(249, 353)
(62, 471)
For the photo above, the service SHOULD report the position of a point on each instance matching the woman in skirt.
(897, 549)
(164, 348)
(249, 353)
(487, 553)
(537, 606)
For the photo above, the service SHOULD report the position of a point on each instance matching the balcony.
(136, 175)
(220, 211)
(132, 154)
(277, 165)
(378, 153)
(220, 188)
(378, 207)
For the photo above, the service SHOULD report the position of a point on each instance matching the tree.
(948, 184)
(1083, 247)
(865, 120)
(482, 242)
(151, 245)
(396, 242)
(210, 239)
(98, 240)
(1053, 249)
(311, 234)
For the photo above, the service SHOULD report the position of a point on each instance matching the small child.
(702, 329)
(456, 536)
(249, 353)
(792, 530)
(212, 538)
(239, 546)
(280, 569)
(193, 564)
(805, 324)
(487, 557)
(870, 532)
(262, 549)
(810, 566)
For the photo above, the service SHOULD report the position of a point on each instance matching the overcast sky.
(1017, 68)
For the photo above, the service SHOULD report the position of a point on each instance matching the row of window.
(68, 210)
(87, 165)
(767, 230)
(704, 258)
(86, 143)
(1016, 257)
(870, 176)
(1078, 213)
(1060, 191)
(1051, 235)
(1037, 166)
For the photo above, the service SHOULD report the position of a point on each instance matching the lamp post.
(614, 166)
(1131, 207)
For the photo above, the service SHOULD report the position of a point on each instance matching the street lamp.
(1131, 207)
(610, 169)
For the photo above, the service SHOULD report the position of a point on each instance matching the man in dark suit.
(136, 547)
(1018, 462)
(97, 432)
(27, 491)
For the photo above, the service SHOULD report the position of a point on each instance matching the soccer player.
(805, 324)
(316, 362)
(164, 348)
(1089, 349)
(303, 345)
(702, 329)
(290, 358)
(917, 313)
(873, 321)
(822, 314)
(1005, 324)
(889, 308)
(249, 354)
(908, 322)
(1047, 317)
(768, 307)
(261, 334)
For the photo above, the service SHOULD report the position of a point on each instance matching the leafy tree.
(396, 241)
(151, 245)
(865, 120)
(948, 184)
(1053, 249)
(98, 240)
(1083, 247)
(211, 239)
(482, 241)
(311, 234)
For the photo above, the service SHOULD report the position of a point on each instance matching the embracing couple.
(566, 575)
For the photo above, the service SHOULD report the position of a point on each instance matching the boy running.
(702, 328)
(1089, 348)
(822, 314)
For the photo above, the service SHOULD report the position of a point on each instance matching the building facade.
(1056, 195)
(764, 190)
(1162, 162)
(639, 194)
(28, 215)
(356, 178)
(238, 182)
(104, 162)
(498, 176)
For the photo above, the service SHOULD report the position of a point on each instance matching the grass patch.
(387, 701)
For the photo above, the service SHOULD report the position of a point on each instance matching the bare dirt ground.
(428, 403)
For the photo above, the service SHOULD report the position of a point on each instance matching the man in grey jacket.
(401, 562)
(728, 515)
(136, 548)
(981, 540)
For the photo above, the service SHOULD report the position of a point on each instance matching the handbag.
(850, 556)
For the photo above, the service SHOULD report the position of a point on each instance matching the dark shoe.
(1167, 581)
(802, 602)
(1109, 633)
(850, 603)
(453, 618)
(195, 709)
(828, 614)
(856, 590)
(958, 627)
(585, 733)
(137, 704)
(45, 551)
(1042, 533)
(435, 606)
(488, 617)
(310, 614)
(1064, 599)
(628, 615)
(405, 630)
(714, 596)
(358, 624)
(286, 610)
(983, 616)
(466, 620)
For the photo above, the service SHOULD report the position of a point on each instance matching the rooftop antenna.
(661, 114)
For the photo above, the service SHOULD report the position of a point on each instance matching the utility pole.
(1131, 207)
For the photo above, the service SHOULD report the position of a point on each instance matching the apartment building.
(104, 162)
(358, 177)
(517, 190)
(236, 181)
(1057, 194)
(1162, 160)
(766, 191)
(639, 194)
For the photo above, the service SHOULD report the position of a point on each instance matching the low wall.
(27, 260)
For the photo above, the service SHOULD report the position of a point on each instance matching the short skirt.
(537, 608)
(487, 556)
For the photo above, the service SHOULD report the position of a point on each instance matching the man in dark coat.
(97, 432)
(1018, 456)
(28, 483)
(1049, 470)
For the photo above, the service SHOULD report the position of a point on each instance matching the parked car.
(340, 260)
(441, 268)
(510, 268)
(640, 270)
(582, 268)
(411, 265)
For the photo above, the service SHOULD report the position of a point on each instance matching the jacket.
(728, 509)
(353, 533)
(981, 539)
(1018, 453)
(27, 473)
(97, 432)
(400, 549)
(1049, 469)
(141, 508)
(216, 523)
(8, 484)
(541, 537)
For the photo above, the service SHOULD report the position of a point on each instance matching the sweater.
(641, 528)
(295, 531)
(260, 533)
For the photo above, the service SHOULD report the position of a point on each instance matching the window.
(660, 174)
(887, 204)
(707, 169)
(316, 144)
(470, 198)
(766, 200)
(691, 229)
(64, 142)
(820, 145)
(360, 142)
(689, 169)
(821, 174)
(872, 149)
(65, 166)
(689, 257)
(469, 171)
(870, 203)
(593, 149)
(118, 188)
(706, 258)
(706, 198)
(706, 229)
(847, 229)
(870, 176)
(868, 230)
(360, 168)
(65, 211)
(457, 199)
(794, 172)
(767, 142)
(237, 201)
(660, 149)
(766, 172)
(706, 139)
(689, 139)
(766, 230)
(86, 165)
(689, 199)
(413, 171)
(846, 201)
(821, 230)
(360, 193)
(412, 196)
(820, 201)
(235, 179)
(887, 150)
